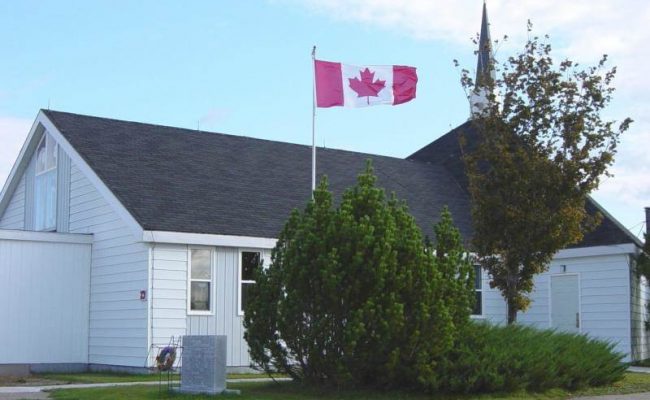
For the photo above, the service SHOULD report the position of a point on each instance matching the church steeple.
(485, 63)
(484, 68)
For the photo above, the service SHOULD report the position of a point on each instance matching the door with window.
(565, 303)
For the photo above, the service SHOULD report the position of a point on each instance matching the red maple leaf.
(366, 87)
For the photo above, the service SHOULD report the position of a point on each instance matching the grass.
(99, 377)
(631, 383)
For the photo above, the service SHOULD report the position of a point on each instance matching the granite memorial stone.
(204, 364)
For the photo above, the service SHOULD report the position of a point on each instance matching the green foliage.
(643, 259)
(353, 295)
(489, 358)
(542, 148)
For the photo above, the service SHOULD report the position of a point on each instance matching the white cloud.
(13, 132)
(586, 29)
(600, 25)
(582, 30)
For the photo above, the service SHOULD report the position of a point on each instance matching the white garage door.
(44, 290)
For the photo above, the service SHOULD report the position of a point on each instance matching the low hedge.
(491, 358)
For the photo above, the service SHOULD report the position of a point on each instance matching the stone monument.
(204, 364)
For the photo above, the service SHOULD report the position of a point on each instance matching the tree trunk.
(511, 297)
(512, 309)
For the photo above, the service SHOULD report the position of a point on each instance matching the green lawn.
(632, 383)
(100, 377)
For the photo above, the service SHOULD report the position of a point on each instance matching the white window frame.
(240, 281)
(37, 174)
(211, 281)
(482, 291)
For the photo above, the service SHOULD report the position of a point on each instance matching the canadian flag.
(361, 86)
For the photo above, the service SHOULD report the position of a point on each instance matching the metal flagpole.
(313, 126)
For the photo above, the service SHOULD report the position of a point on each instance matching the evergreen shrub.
(354, 296)
(491, 358)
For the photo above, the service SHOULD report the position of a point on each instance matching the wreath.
(165, 359)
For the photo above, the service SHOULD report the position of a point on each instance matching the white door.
(565, 303)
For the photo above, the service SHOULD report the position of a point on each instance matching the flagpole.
(313, 126)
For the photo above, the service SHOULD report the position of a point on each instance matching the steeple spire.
(484, 69)
(485, 63)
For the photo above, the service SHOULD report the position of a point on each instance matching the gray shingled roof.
(445, 151)
(173, 179)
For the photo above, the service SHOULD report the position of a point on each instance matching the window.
(478, 291)
(45, 185)
(249, 262)
(200, 281)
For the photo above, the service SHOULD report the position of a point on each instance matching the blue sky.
(244, 67)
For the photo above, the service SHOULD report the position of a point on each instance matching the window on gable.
(478, 291)
(45, 185)
(200, 281)
(249, 262)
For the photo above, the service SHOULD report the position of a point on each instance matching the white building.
(115, 236)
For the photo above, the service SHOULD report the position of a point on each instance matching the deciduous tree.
(542, 146)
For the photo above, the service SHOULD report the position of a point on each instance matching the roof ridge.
(230, 135)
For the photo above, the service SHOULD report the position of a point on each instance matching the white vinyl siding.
(604, 298)
(494, 307)
(29, 194)
(119, 271)
(14, 215)
(63, 192)
(43, 298)
(168, 296)
(170, 316)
